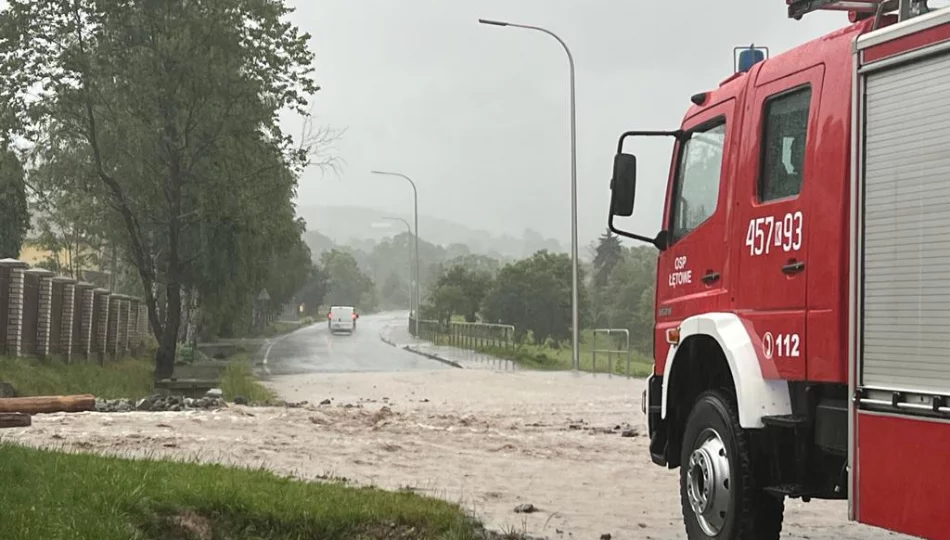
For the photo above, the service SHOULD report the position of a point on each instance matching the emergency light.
(749, 56)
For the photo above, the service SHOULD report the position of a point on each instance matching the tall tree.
(607, 254)
(346, 283)
(68, 220)
(627, 300)
(459, 291)
(314, 291)
(14, 213)
(174, 107)
(534, 294)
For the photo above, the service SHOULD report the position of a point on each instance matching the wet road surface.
(315, 350)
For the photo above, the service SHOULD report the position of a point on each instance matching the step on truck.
(802, 336)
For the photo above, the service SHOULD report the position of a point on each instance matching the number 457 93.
(769, 231)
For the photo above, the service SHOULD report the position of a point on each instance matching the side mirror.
(623, 185)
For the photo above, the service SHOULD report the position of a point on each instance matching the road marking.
(274, 342)
(267, 352)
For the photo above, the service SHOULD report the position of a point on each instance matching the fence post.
(44, 311)
(593, 352)
(101, 320)
(629, 353)
(67, 324)
(611, 350)
(13, 271)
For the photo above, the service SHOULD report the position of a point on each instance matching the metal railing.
(480, 335)
(609, 333)
(428, 330)
(465, 335)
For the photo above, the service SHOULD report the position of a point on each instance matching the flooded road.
(315, 350)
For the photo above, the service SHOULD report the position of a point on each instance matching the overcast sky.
(478, 116)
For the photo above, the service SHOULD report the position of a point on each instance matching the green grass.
(238, 380)
(130, 378)
(546, 357)
(61, 496)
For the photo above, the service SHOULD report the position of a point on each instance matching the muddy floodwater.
(570, 445)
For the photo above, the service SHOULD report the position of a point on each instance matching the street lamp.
(415, 202)
(409, 230)
(575, 352)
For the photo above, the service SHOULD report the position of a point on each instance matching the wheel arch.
(720, 349)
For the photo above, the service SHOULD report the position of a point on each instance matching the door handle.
(710, 277)
(793, 267)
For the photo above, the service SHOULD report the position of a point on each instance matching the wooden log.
(12, 420)
(48, 404)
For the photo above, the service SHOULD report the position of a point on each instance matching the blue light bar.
(749, 57)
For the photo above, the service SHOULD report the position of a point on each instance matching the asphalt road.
(315, 350)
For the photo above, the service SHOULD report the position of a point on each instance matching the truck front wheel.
(718, 491)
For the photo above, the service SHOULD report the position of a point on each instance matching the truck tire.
(718, 491)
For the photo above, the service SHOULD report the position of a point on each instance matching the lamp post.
(575, 319)
(415, 212)
(409, 230)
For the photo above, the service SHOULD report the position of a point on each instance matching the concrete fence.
(45, 315)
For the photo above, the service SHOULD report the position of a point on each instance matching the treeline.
(534, 294)
(386, 266)
(147, 134)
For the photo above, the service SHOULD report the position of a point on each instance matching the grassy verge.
(238, 380)
(278, 328)
(130, 378)
(57, 496)
(545, 357)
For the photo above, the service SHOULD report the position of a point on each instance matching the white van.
(342, 319)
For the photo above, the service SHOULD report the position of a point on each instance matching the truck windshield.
(697, 185)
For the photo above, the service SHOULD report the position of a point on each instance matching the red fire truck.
(802, 340)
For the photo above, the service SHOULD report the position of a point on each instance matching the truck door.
(691, 273)
(771, 217)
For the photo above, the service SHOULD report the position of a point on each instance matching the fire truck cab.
(802, 337)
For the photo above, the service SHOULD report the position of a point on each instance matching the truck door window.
(697, 184)
(783, 150)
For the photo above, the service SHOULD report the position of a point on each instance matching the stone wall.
(121, 322)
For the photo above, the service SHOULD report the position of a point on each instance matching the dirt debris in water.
(457, 448)
(526, 508)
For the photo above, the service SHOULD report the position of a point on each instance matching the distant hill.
(358, 226)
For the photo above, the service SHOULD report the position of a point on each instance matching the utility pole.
(575, 315)
(415, 202)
